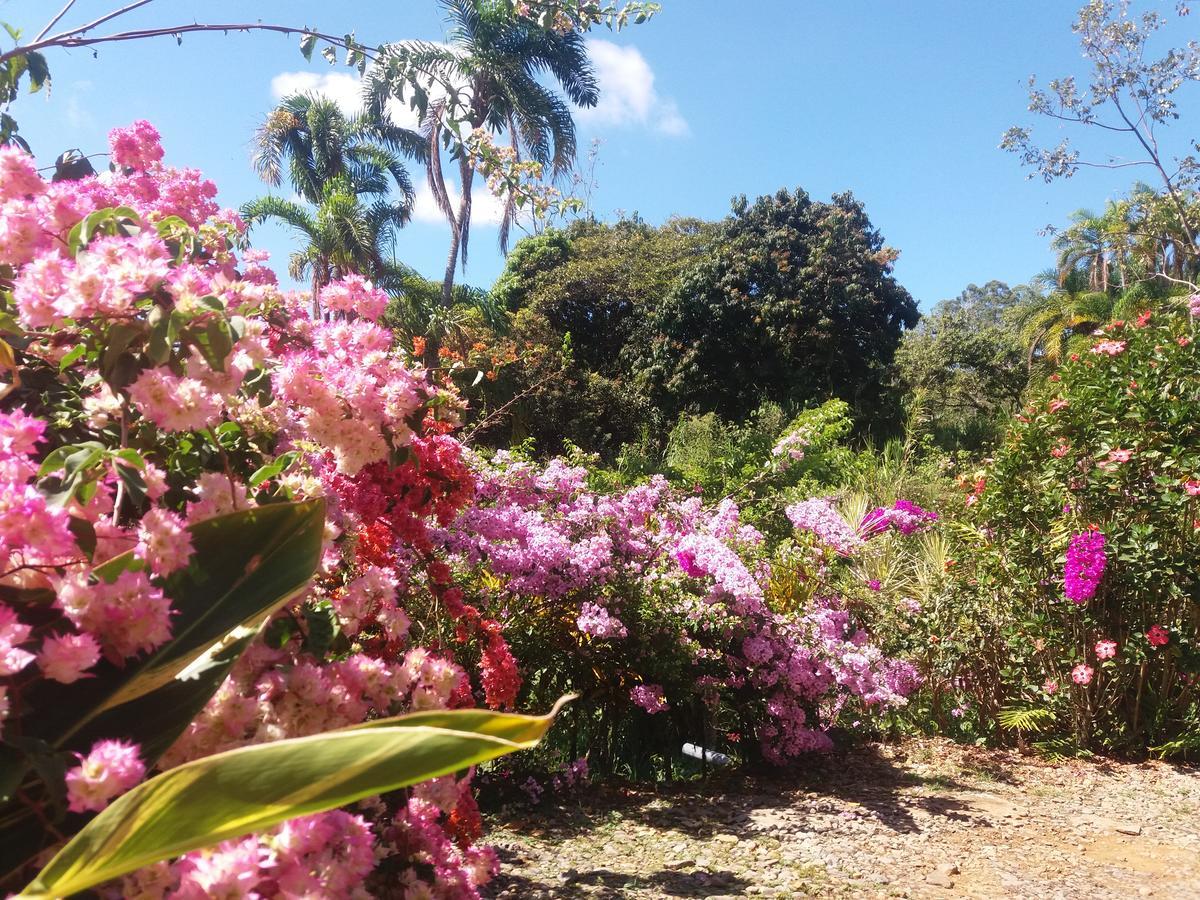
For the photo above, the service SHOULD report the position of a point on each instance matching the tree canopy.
(796, 304)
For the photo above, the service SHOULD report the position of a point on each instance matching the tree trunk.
(458, 232)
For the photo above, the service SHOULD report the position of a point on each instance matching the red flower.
(1158, 636)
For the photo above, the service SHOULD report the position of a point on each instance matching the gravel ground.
(922, 819)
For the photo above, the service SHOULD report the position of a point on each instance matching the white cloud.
(627, 93)
(342, 88)
(486, 209)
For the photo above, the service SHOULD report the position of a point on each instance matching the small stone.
(1129, 828)
(679, 863)
(948, 869)
(939, 879)
(730, 839)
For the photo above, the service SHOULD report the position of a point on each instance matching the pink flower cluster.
(109, 770)
(354, 294)
(596, 621)
(1086, 561)
(1109, 348)
(650, 697)
(158, 341)
(821, 517)
(325, 855)
(903, 516)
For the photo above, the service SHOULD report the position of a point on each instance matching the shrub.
(1075, 587)
(655, 608)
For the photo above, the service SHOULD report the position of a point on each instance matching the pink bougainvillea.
(1086, 561)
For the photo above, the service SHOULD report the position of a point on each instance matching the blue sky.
(901, 103)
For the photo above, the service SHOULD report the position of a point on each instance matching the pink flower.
(163, 541)
(12, 632)
(354, 294)
(1082, 674)
(821, 517)
(1050, 686)
(650, 698)
(137, 146)
(1057, 404)
(1110, 348)
(1120, 456)
(174, 403)
(109, 770)
(18, 175)
(1158, 636)
(129, 615)
(1192, 487)
(598, 622)
(1106, 649)
(1061, 449)
(66, 657)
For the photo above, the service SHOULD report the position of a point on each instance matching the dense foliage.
(1072, 608)
(577, 299)
(796, 304)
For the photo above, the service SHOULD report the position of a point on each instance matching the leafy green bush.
(1043, 613)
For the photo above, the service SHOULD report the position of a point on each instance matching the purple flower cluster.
(1085, 565)
(686, 580)
(903, 516)
(650, 698)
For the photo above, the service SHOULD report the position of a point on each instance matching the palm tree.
(346, 167)
(1063, 314)
(485, 77)
(1098, 244)
(342, 234)
(318, 142)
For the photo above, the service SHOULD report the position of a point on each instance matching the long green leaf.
(251, 789)
(247, 564)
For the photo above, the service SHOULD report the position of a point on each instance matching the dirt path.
(926, 819)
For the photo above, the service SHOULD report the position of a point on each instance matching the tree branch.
(62, 12)
(68, 40)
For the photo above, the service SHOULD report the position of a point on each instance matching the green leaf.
(246, 566)
(308, 42)
(67, 361)
(135, 485)
(39, 72)
(251, 789)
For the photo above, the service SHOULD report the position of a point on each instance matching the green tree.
(316, 142)
(347, 168)
(796, 305)
(967, 364)
(591, 287)
(343, 234)
(489, 75)
(1061, 316)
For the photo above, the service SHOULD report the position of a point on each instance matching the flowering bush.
(159, 388)
(655, 609)
(1075, 587)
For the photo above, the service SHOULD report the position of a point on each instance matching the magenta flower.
(1085, 566)
(650, 698)
(1082, 674)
